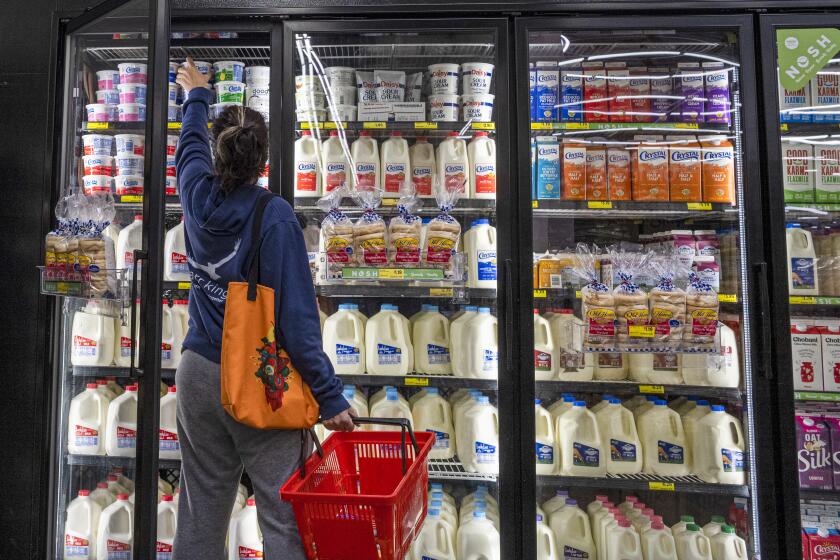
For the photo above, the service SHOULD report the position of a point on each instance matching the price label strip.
(416, 382)
(662, 486)
(441, 292)
(641, 331)
(652, 389)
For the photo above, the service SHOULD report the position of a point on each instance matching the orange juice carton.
(618, 88)
(684, 168)
(595, 93)
(650, 169)
(827, 181)
(618, 173)
(830, 349)
(596, 173)
(574, 171)
(718, 169)
(797, 180)
(640, 90)
(807, 357)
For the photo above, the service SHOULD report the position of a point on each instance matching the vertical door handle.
(509, 312)
(138, 256)
(765, 322)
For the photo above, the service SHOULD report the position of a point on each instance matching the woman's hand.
(342, 422)
(189, 77)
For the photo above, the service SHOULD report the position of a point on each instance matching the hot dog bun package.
(443, 231)
(404, 231)
(701, 312)
(369, 231)
(667, 300)
(631, 302)
(597, 301)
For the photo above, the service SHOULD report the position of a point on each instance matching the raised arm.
(193, 159)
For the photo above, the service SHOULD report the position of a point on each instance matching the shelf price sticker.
(173, 125)
(542, 126)
(703, 206)
(391, 273)
(374, 124)
(535, 204)
(416, 382)
(389, 201)
(802, 300)
(728, 298)
(577, 294)
(652, 389)
(783, 127)
(441, 292)
(599, 204)
(661, 486)
(684, 125)
(97, 126)
(540, 294)
(641, 331)
(576, 126)
(483, 126)
(131, 198)
(183, 285)
(428, 125)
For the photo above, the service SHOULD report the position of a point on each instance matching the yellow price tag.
(389, 201)
(391, 273)
(540, 294)
(370, 124)
(663, 486)
(97, 126)
(441, 292)
(642, 331)
(131, 198)
(685, 125)
(426, 125)
(416, 382)
(783, 127)
(483, 126)
(575, 126)
(728, 298)
(541, 126)
(652, 389)
(802, 300)
(577, 294)
(699, 206)
(328, 125)
(600, 204)
(304, 125)
(183, 285)
(535, 204)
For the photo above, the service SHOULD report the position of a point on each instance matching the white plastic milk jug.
(460, 406)
(690, 421)
(545, 353)
(658, 544)
(172, 336)
(169, 446)
(93, 337)
(692, 544)
(453, 165)
(365, 161)
(121, 438)
(482, 341)
(801, 262)
(423, 167)
(621, 542)
(714, 526)
(167, 524)
(726, 545)
(436, 539)
(718, 451)
(396, 166)
(123, 339)
(344, 341)
(663, 441)
(102, 495)
(660, 369)
(478, 539)
(246, 539)
(482, 427)
(336, 169)
(387, 346)
(448, 512)
(566, 332)
(546, 543)
(431, 413)
(457, 331)
(80, 527)
(611, 366)
(579, 439)
(391, 407)
(87, 421)
(480, 247)
(555, 503)
(572, 531)
(681, 525)
(546, 454)
(430, 337)
(115, 536)
(307, 166)
(618, 430)
(482, 156)
(129, 240)
(715, 370)
(176, 268)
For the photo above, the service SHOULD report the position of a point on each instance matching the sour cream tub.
(229, 71)
(344, 95)
(132, 73)
(130, 144)
(309, 100)
(345, 113)
(132, 93)
(97, 184)
(443, 78)
(308, 82)
(230, 92)
(101, 112)
(217, 108)
(477, 107)
(443, 108)
(171, 144)
(258, 75)
(129, 165)
(129, 184)
(98, 165)
(107, 79)
(171, 168)
(171, 187)
(173, 113)
(97, 144)
(109, 96)
(131, 112)
(476, 77)
(341, 76)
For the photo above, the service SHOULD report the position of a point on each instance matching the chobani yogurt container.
(97, 184)
(130, 112)
(173, 113)
(132, 93)
(97, 144)
(477, 107)
(171, 187)
(229, 71)
(101, 112)
(230, 92)
(129, 144)
(129, 165)
(258, 75)
(129, 184)
(109, 96)
(171, 144)
(98, 165)
(132, 73)
(107, 79)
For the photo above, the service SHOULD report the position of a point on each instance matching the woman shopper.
(218, 202)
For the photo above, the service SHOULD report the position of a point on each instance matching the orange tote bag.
(260, 386)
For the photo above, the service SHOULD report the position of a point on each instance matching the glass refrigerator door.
(643, 417)
(392, 168)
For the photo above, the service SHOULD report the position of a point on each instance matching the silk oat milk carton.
(813, 450)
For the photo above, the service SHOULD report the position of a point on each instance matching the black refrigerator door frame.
(777, 251)
(510, 475)
(762, 472)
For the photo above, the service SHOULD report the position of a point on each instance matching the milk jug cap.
(639, 505)
(83, 493)
(172, 389)
(433, 513)
(718, 519)
(793, 226)
(623, 522)
(138, 217)
(484, 310)
(112, 478)
(333, 133)
(306, 133)
(607, 398)
(483, 399)
(122, 497)
(692, 527)
(728, 529)
(717, 408)
(601, 498)
(580, 403)
(562, 493)
(251, 502)
(693, 399)
(432, 308)
(480, 221)
(481, 133)
(536, 311)
(569, 398)
(167, 498)
(539, 518)
(632, 499)
(436, 503)
(652, 399)
(481, 504)
(615, 401)
(391, 396)
(91, 385)
(432, 391)
(647, 512)
(571, 502)
(657, 525)
(436, 486)
(479, 514)
(702, 403)
(472, 308)
(102, 485)
(437, 494)
(687, 518)
(660, 402)
(131, 388)
(343, 306)
(537, 402)
(454, 133)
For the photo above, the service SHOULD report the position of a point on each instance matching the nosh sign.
(804, 52)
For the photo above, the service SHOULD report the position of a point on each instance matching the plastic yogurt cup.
(258, 75)
(171, 168)
(171, 144)
(229, 71)
(305, 101)
(94, 184)
(132, 73)
(313, 115)
(252, 91)
(341, 76)
(130, 112)
(129, 184)
(132, 93)
(230, 92)
(345, 113)
(217, 108)
(443, 108)
(101, 112)
(344, 95)
(97, 144)
(98, 165)
(174, 90)
(129, 165)
(109, 96)
(171, 187)
(107, 79)
(129, 144)
(476, 77)
(203, 67)
(173, 113)
(443, 78)
(477, 107)
(308, 82)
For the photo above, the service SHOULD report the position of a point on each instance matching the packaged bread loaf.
(667, 301)
(597, 301)
(369, 232)
(631, 302)
(444, 231)
(336, 231)
(701, 312)
(404, 232)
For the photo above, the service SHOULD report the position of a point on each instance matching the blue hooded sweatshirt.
(218, 234)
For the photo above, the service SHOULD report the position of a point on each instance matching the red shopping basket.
(363, 495)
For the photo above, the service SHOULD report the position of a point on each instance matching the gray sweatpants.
(214, 449)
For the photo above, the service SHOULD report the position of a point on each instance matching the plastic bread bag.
(369, 231)
(96, 251)
(405, 230)
(631, 302)
(390, 86)
(336, 230)
(701, 312)
(667, 300)
(443, 231)
(597, 301)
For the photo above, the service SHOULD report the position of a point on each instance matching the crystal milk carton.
(532, 88)
(571, 95)
(546, 91)
(650, 169)
(792, 102)
(574, 171)
(717, 108)
(639, 87)
(684, 169)
(718, 169)
(798, 183)
(661, 87)
(827, 180)
(807, 358)
(548, 167)
(825, 93)
(596, 173)
(595, 93)
(618, 173)
(618, 90)
(691, 84)
(813, 450)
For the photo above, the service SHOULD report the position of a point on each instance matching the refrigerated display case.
(643, 226)
(801, 100)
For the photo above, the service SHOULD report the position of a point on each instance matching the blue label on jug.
(441, 439)
(622, 451)
(437, 354)
(388, 355)
(490, 361)
(585, 456)
(487, 265)
(545, 454)
(670, 453)
(802, 273)
(485, 453)
(733, 460)
(346, 355)
(572, 552)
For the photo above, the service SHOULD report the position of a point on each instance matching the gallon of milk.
(692, 544)
(364, 154)
(560, 407)
(555, 503)
(682, 524)
(478, 539)
(546, 544)
(726, 545)
(87, 421)
(104, 390)
(391, 407)
(718, 448)
(579, 439)
(424, 309)
(480, 247)
(659, 369)
(115, 535)
(466, 514)
(573, 363)
(246, 539)
(482, 437)
(572, 531)
(546, 456)
(423, 167)
(80, 527)
(611, 366)
(124, 340)
(801, 262)
(723, 370)
(658, 544)
(116, 487)
(453, 165)
(714, 526)
(601, 521)
(169, 446)
(430, 337)
(172, 336)
(545, 353)
(605, 401)
(121, 438)
(396, 166)
(618, 430)
(102, 496)
(307, 166)
(176, 268)
(387, 345)
(690, 420)
(686, 406)
(381, 394)
(482, 493)
(93, 337)
(457, 339)
(482, 156)
(663, 441)
(644, 407)
(596, 505)
(431, 413)
(344, 341)
(621, 542)
(436, 539)
(481, 334)
(336, 168)
(129, 240)
(460, 407)
(357, 401)
(167, 524)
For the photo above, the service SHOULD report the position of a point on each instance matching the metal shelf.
(135, 202)
(684, 484)
(106, 461)
(633, 210)
(632, 388)
(405, 56)
(420, 380)
(113, 371)
(812, 211)
(429, 207)
(817, 494)
(574, 293)
(247, 50)
(556, 49)
(421, 127)
(167, 285)
(452, 469)
(810, 129)
(457, 294)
